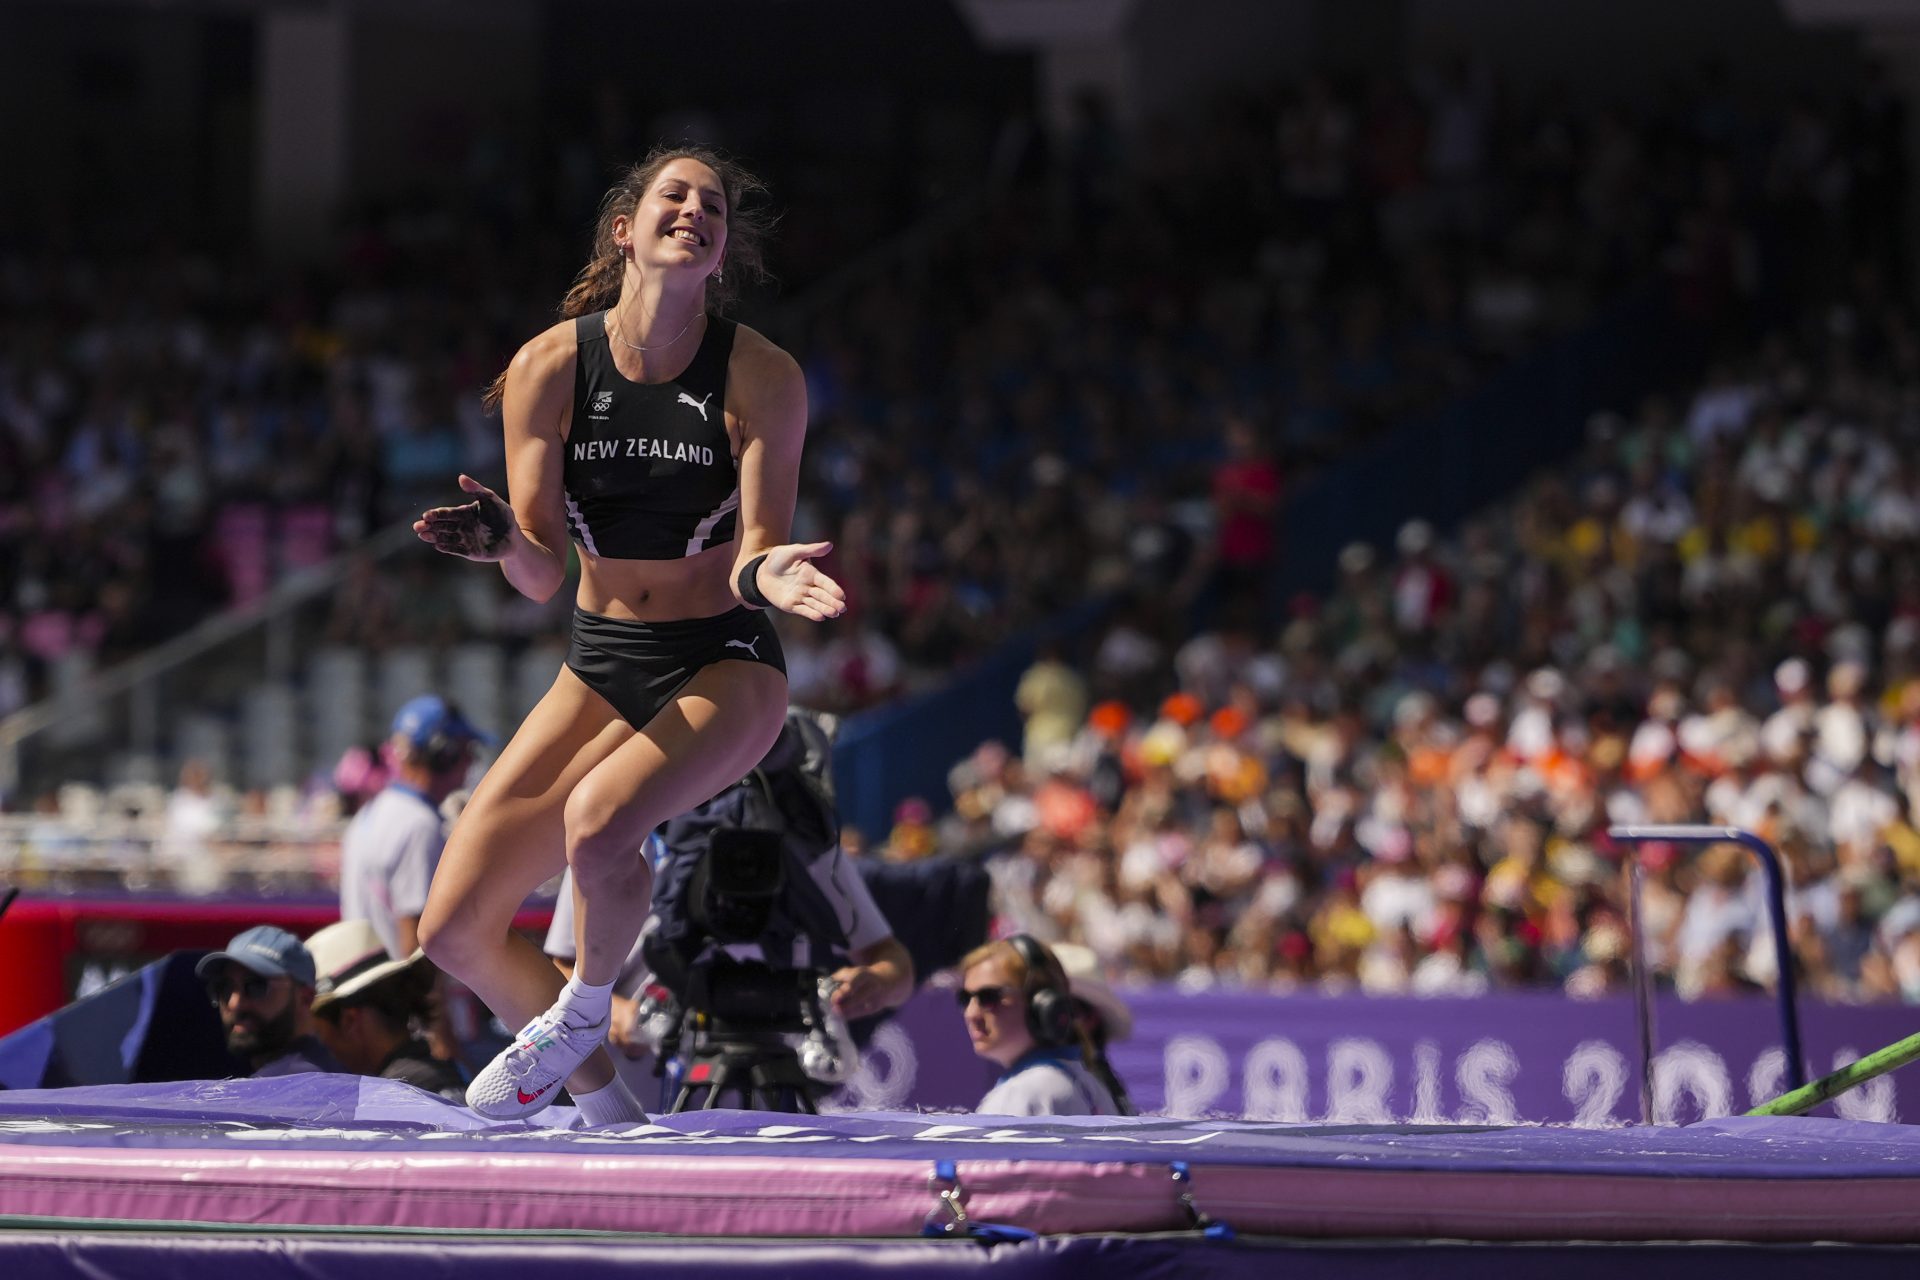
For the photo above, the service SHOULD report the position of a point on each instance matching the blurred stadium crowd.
(1282, 274)
(1101, 387)
(1712, 615)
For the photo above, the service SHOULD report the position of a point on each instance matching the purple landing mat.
(351, 1152)
(177, 1257)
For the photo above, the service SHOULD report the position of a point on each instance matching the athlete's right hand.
(479, 530)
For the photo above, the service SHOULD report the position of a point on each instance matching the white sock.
(611, 1103)
(586, 1004)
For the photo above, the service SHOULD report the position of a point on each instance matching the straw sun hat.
(349, 957)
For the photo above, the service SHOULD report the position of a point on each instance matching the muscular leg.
(510, 839)
(710, 736)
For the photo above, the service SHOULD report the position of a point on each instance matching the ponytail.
(595, 289)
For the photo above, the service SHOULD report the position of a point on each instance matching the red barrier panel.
(55, 949)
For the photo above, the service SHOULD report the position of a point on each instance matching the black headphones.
(1049, 998)
(442, 750)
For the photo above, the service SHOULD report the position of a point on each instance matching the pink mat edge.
(776, 1196)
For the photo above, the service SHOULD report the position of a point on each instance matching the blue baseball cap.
(429, 716)
(267, 951)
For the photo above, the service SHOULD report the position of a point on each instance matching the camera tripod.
(758, 1067)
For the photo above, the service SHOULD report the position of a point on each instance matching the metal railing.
(50, 856)
(1632, 837)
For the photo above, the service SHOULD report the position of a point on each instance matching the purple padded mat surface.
(355, 1113)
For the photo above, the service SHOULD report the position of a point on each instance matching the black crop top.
(649, 471)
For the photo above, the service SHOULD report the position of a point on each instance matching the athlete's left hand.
(788, 579)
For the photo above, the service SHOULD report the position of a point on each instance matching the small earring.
(716, 276)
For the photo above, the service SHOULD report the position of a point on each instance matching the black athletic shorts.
(639, 667)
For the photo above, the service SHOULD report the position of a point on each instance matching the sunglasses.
(255, 987)
(989, 997)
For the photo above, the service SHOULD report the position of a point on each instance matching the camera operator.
(879, 973)
(825, 923)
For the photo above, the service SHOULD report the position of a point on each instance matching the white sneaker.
(526, 1077)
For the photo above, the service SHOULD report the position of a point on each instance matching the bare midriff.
(698, 586)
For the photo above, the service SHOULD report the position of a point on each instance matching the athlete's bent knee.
(456, 939)
(439, 942)
(601, 841)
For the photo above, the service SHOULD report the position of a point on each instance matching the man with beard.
(262, 984)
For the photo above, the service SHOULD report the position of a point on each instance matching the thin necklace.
(663, 346)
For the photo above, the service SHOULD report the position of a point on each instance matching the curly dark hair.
(749, 223)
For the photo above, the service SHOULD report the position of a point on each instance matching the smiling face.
(680, 221)
(997, 1014)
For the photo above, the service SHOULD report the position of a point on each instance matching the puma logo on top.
(748, 645)
(700, 404)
